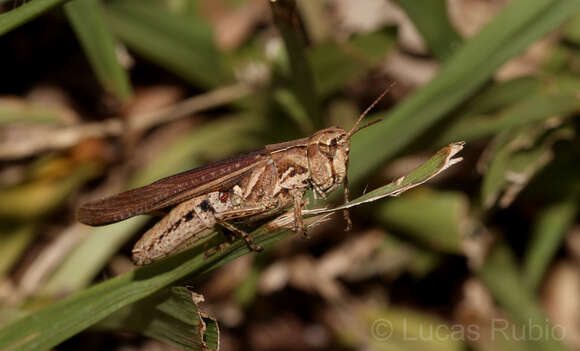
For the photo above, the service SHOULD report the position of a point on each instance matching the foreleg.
(345, 212)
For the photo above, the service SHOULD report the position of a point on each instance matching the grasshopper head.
(328, 151)
(328, 158)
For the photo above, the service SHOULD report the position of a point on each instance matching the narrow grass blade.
(435, 218)
(286, 18)
(398, 256)
(431, 19)
(317, 23)
(295, 110)
(19, 111)
(499, 95)
(38, 198)
(548, 233)
(519, 24)
(13, 241)
(385, 328)
(501, 275)
(338, 64)
(87, 20)
(25, 13)
(571, 30)
(537, 107)
(88, 258)
(180, 44)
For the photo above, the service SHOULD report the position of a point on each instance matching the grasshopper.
(243, 188)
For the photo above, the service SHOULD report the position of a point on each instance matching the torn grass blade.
(515, 157)
(435, 165)
(172, 315)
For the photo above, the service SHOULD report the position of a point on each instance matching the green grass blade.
(16, 111)
(500, 95)
(431, 19)
(55, 323)
(549, 230)
(182, 45)
(295, 110)
(571, 30)
(518, 25)
(37, 198)
(435, 218)
(25, 13)
(338, 64)
(13, 241)
(536, 107)
(88, 258)
(442, 160)
(88, 22)
(285, 16)
(502, 277)
(516, 156)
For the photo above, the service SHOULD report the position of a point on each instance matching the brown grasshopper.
(244, 188)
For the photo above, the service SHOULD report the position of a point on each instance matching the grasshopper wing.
(169, 191)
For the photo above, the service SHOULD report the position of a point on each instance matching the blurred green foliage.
(523, 127)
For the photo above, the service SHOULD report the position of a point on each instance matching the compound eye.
(327, 150)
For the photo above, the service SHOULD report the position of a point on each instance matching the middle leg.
(298, 219)
(247, 238)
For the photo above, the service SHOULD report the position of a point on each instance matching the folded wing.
(169, 191)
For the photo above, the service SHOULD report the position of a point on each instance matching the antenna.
(367, 125)
(354, 128)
